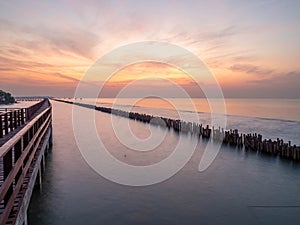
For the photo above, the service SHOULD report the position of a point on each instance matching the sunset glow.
(251, 47)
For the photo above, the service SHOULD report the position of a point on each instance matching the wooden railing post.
(15, 119)
(6, 123)
(22, 116)
(11, 124)
(27, 116)
(18, 151)
(1, 127)
(18, 117)
(7, 166)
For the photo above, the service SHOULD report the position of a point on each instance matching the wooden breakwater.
(252, 141)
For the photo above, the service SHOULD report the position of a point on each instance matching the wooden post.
(11, 122)
(25, 219)
(43, 163)
(39, 178)
(18, 151)
(22, 116)
(7, 167)
(15, 119)
(18, 117)
(5, 123)
(1, 127)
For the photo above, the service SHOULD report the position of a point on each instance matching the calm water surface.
(238, 188)
(272, 118)
(285, 109)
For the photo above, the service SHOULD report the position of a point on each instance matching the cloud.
(6, 69)
(280, 85)
(44, 39)
(251, 69)
(290, 78)
(200, 37)
(14, 63)
(74, 40)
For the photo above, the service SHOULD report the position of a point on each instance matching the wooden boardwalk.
(25, 136)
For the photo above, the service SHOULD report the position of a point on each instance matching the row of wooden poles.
(253, 142)
(12, 118)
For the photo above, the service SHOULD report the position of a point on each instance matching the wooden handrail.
(11, 118)
(5, 185)
(18, 154)
(10, 203)
(5, 147)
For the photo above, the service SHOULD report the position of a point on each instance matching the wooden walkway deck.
(22, 152)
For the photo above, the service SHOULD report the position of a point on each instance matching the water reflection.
(74, 194)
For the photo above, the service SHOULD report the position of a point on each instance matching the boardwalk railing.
(12, 118)
(29, 99)
(18, 157)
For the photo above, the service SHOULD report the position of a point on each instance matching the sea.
(238, 187)
(273, 118)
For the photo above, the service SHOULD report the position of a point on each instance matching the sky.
(251, 47)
